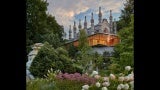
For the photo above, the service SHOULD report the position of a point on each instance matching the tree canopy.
(39, 24)
(125, 17)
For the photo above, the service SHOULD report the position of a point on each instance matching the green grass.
(44, 84)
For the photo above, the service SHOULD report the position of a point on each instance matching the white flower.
(126, 78)
(131, 77)
(85, 87)
(106, 79)
(126, 86)
(106, 84)
(119, 87)
(112, 76)
(98, 84)
(104, 88)
(128, 68)
(94, 73)
(97, 76)
(121, 79)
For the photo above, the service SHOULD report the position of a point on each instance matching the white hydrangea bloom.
(94, 73)
(126, 86)
(126, 78)
(119, 87)
(98, 84)
(106, 84)
(112, 76)
(104, 88)
(128, 68)
(106, 79)
(131, 77)
(85, 87)
(121, 79)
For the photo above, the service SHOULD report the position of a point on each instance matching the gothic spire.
(70, 31)
(74, 30)
(115, 26)
(92, 20)
(110, 18)
(80, 26)
(92, 24)
(85, 23)
(100, 15)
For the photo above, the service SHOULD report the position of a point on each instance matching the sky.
(68, 11)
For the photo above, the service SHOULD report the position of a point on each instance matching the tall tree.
(124, 52)
(125, 18)
(83, 42)
(39, 25)
(84, 49)
(54, 27)
(36, 20)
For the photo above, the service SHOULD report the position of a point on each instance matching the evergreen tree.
(83, 42)
(125, 18)
(84, 49)
(124, 52)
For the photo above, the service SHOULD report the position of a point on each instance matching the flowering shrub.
(122, 81)
(77, 77)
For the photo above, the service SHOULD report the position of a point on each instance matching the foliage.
(39, 24)
(83, 42)
(125, 17)
(68, 85)
(72, 50)
(84, 56)
(123, 54)
(53, 39)
(44, 60)
(97, 60)
(48, 57)
(40, 84)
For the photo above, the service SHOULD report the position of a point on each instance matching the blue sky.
(68, 11)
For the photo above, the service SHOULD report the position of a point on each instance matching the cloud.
(66, 11)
